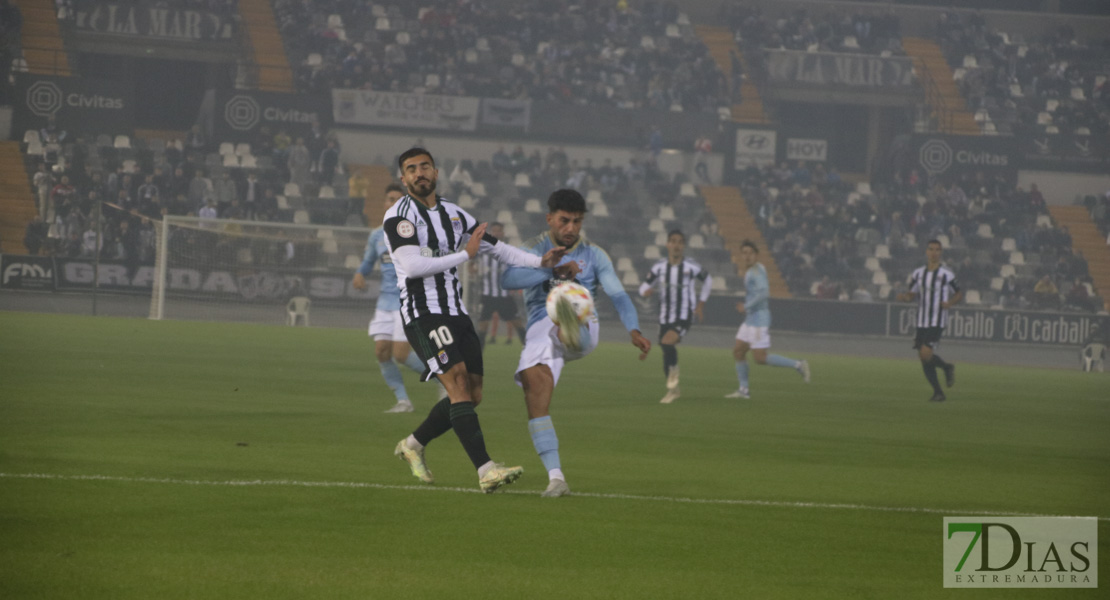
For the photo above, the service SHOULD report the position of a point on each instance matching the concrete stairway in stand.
(17, 202)
(1089, 241)
(736, 225)
(720, 42)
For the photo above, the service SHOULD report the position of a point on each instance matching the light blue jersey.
(595, 268)
(389, 298)
(757, 304)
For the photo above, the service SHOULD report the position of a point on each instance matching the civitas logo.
(936, 156)
(1059, 552)
(44, 98)
(242, 112)
(756, 141)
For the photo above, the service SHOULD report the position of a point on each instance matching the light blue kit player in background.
(550, 344)
(386, 328)
(755, 333)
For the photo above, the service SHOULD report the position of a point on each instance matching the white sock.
(413, 444)
(556, 474)
(482, 470)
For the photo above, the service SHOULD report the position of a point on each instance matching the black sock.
(465, 422)
(938, 361)
(670, 358)
(931, 374)
(436, 424)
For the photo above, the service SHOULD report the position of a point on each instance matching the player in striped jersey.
(386, 327)
(496, 299)
(679, 305)
(428, 239)
(935, 288)
(755, 333)
(551, 344)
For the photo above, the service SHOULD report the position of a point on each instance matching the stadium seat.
(505, 216)
(630, 279)
(533, 205)
(352, 262)
(989, 128)
(1007, 271)
(625, 264)
(231, 161)
(315, 59)
(478, 190)
(884, 292)
(1015, 91)
(227, 148)
(467, 201)
(325, 234)
(593, 196)
(647, 42)
(248, 161)
(864, 188)
(656, 226)
(1093, 354)
(1052, 130)
(911, 240)
(984, 231)
(601, 210)
(522, 180)
(511, 231)
(432, 81)
(1082, 131)
(1009, 244)
(282, 203)
(326, 191)
(35, 147)
(331, 247)
(661, 238)
(1078, 95)
(300, 217)
(851, 42)
(335, 21)
(882, 251)
(973, 297)
(872, 264)
(666, 213)
(997, 283)
(31, 134)
(1044, 220)
(720, 284)
(944, 241)
(292, 189)
(382, 24)
(242, 149)
(970, 62)
(672, 31)
(1017, 259)
(1044, 118)
(377, 11)
(517, 60)
(697, 241)
(652, 253)
(122, 141)
(129, 166)
(879, 278)
(297, 310)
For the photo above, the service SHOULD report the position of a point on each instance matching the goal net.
(249, 271)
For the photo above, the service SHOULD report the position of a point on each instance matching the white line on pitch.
(427, 488)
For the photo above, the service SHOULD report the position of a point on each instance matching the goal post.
(251, 271)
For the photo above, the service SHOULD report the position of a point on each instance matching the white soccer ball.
(578, 296)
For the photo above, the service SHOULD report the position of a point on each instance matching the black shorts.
(447, 340)
(927, 336)
(504, 306)
(679, 327)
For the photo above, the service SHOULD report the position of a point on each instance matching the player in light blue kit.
(386, 327)
(755, 333)
(549, 344)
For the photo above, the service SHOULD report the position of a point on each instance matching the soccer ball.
(578, 296)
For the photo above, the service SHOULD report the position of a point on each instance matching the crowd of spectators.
(822, 232)
(628, 54)
(11, 24)
(131, 188)
(1056, 83)
(838, 30)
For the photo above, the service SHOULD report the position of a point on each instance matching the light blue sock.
(742, 372)
(393, 379)
(776, 360)
(413, 362)
(545, 441)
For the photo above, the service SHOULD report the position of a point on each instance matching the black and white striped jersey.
(428, 246)
(677, 297)
(490, 273)
(932, 288)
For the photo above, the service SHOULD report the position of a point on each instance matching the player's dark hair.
(566, 200)
(395, 187)
(675, 232)
(934, 241)
(411, 152)
(751, 245)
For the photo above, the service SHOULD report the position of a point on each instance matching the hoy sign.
(807, 149)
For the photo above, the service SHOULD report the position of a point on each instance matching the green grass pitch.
(836, 489)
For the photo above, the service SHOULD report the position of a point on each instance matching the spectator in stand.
(299, 163)
(1046, 294)
(195, 141)
(200, 189)
(61, 197)
(35, 236)
(329, 163)
(44, 184)
(226, 192)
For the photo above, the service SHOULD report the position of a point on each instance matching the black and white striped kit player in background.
(935, 288)
(679, 303)
(428, 239)
(496, 299)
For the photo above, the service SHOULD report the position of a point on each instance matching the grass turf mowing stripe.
(426, 488)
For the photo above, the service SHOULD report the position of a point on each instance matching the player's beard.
(423, 188)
